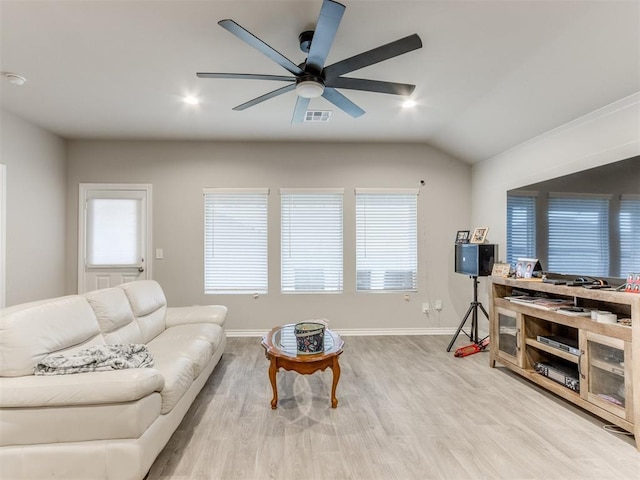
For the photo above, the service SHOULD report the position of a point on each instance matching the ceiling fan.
(311, 78)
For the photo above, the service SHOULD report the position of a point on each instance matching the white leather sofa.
(100, 425)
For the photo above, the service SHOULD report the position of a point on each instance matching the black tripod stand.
(473, 311)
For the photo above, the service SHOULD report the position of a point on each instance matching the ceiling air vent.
(316, 116)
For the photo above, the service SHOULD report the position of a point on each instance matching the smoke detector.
(15, 79)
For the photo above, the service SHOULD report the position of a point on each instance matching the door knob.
(141, 269)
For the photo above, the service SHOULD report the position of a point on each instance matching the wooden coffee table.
(280, 349)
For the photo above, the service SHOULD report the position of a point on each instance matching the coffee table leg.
(335, 368)
(273, 369)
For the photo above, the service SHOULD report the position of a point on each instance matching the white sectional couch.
(109, 424)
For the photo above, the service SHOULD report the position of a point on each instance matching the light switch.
(159, 254)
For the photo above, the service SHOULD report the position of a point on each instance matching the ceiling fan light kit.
(312, 79)
(310, 88)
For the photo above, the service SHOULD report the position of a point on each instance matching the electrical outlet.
(425, 308)
(438, 305)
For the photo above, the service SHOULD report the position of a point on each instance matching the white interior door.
(114, 235)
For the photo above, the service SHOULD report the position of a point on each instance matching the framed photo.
(479, 235)
(463, 236)
(633, 283)
(526, 266)
(501, 269)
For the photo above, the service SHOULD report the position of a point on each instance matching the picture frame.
(501, 269)
(525, 268)
(479, 235)
(633, 283)
(463, 236)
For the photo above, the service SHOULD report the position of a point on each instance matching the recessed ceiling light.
(409, 104)
(15, 79)
(191, 100)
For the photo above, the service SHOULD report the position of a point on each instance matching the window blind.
(629, 221)
(114, 231)
(235, 240)
(386, 240)
(579, 235)
(311, 240)
(521, 227)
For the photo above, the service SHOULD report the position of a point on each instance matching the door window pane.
(113, 231)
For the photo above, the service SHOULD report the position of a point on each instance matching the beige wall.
(454, 197)
(609, 134)
(35, 210)
(179, 171)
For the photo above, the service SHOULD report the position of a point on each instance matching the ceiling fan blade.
(372, 85)
(246, 76)
(259, 45)
(379, 54)
(342, 102)
(266, 96)
(324, 34)
(301, 109)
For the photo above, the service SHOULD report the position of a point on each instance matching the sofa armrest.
(196, 314)
(89, 388)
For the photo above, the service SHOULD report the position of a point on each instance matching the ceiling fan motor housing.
(305, 40)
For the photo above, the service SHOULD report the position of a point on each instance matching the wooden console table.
(606, 359)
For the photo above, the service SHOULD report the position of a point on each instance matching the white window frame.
(3, 235)
(254, 289)
(603, 249)
(531, 227)
(629, 239)
(334, 269)
(413, 270)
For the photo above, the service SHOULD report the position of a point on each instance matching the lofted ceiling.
(490, 75)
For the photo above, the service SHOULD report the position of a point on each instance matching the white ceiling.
(490, 75)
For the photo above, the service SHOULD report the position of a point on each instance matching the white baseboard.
(360, 332)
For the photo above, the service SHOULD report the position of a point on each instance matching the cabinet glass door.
(607, 377)
(509, 339)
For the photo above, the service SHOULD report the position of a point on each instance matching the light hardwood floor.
(408, 410)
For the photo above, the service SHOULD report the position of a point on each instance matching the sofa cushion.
(30, 332)
(209, 332)
(115, 317)
(145, 296)
(149, 306)
(178, 376)
(196, 314)
(79, 389)
(75, 423)
(198, 352)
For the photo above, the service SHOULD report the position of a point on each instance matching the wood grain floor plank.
(408, 410)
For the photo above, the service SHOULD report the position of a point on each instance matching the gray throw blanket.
(95, 359)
